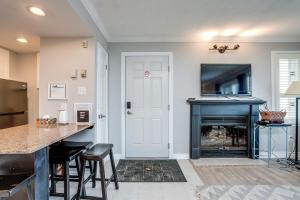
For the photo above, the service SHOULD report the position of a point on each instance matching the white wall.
(187, 59)
(23, 67)
(59, 57)
(4, 63)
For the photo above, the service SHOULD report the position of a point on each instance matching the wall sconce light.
(223, 48)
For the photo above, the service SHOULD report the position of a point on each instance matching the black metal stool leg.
(95, 174)
(52, 182)
(66, 181)
(113, 167)
(103, 182)
(77, 165)
(90, 166)
(81, 179)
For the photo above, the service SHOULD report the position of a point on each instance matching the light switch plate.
(81, 90)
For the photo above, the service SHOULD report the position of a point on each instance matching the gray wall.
(87, 19)
(187, 59)
(59, 57)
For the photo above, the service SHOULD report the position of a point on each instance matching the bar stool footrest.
(91, 198)
(57, 194)
(108, 180)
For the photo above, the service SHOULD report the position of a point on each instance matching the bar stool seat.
(76, 145)
(11, 183)
(97, 153)
(58, 155)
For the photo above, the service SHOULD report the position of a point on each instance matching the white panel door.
(147, 122)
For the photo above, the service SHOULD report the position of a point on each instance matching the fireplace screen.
(227, 136)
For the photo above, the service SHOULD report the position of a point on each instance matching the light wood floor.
(247, 175)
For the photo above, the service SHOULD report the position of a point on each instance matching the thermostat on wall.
(83, 113)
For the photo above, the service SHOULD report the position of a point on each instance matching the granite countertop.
(28, 139)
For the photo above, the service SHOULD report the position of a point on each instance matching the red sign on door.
(147, 74)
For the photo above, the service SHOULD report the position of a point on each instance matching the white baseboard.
(278, 154)
(184, 156)
(181, 156)
(117, 156)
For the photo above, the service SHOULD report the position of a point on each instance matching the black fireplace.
(224, 136)
(223, 128)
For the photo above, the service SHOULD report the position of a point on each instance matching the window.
(287, 69)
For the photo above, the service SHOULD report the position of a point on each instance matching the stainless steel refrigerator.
(13, 103)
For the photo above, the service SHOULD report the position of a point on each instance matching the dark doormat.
(149, 171)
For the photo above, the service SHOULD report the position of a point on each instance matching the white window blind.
(289, 69)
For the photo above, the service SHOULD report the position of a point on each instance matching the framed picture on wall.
(57, 91)
(83, 113)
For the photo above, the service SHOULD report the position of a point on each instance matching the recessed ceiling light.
(209, 34)
(230, 32)
(22, 40)
(37, 11)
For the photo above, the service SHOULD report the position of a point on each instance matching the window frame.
(275, 55)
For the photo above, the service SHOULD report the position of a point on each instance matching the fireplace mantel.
(221, 106)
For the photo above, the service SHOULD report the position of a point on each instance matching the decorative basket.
(272, 116)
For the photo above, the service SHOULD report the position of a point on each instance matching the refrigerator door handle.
(13, 113)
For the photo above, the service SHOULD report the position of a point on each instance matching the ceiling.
(16, 21)
(197, 20)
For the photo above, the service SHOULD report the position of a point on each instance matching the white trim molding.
(274, 75)
(181, 156)
(98, 138)
(97, 20)
(123, 96)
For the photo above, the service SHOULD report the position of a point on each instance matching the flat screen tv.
(226, 79)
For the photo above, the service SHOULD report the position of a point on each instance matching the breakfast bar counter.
(26, 148)
(28, 139)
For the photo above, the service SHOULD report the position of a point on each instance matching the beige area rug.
(248, 192)
(249, 182)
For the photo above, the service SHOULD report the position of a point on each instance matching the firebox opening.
(224, 136)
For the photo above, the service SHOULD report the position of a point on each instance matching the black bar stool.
(11, 183)
(77, 145)
(97, 154)
(63, 155)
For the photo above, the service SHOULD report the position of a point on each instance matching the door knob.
(102, 116)
(129, 113)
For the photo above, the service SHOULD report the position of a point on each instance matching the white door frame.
(123, 96)
(98, 138)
